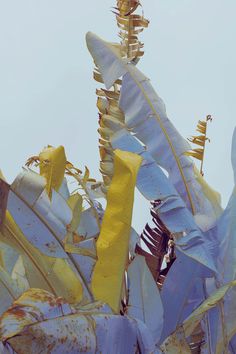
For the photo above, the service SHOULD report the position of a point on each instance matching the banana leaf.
(19, 274)
(144, 298)
(134, 240)
(52, 163)
(55, 211)
(146, 117)
(114, 238)
(40, 233)
(10, 290)
(186, 273)
(222, 320)
(63, 217)
(52, 274)
(32, 187)
(8, 257)
(40, 323)
(182, 292)
(190, 323)
(154, 185)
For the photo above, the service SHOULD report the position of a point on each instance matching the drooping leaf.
(113, 241)
(171, 210)
(145, 115)
(110, 67)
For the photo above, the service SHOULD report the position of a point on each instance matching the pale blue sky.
(47, 92)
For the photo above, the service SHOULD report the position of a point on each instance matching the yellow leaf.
(75, 202)
(102, 105)
(52, 167)
(70, 248)
(199, 151)
(200, 137)
(86, 175)
(68, 279)
(113, 242)
(2, 176)
(202, 124)
(42, 271)
(201, 130)
(198, 140)
(194, 154)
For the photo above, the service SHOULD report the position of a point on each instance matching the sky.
(47, 94)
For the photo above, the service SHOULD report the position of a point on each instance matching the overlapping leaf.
(222, 319)
(179, 284)
(36, 214)
(50, 241)
(38, 322)
(145, 115)
(144, 299)
(173, 342)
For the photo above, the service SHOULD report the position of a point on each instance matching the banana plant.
(76, 277)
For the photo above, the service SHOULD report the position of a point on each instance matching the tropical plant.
(75, 278)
